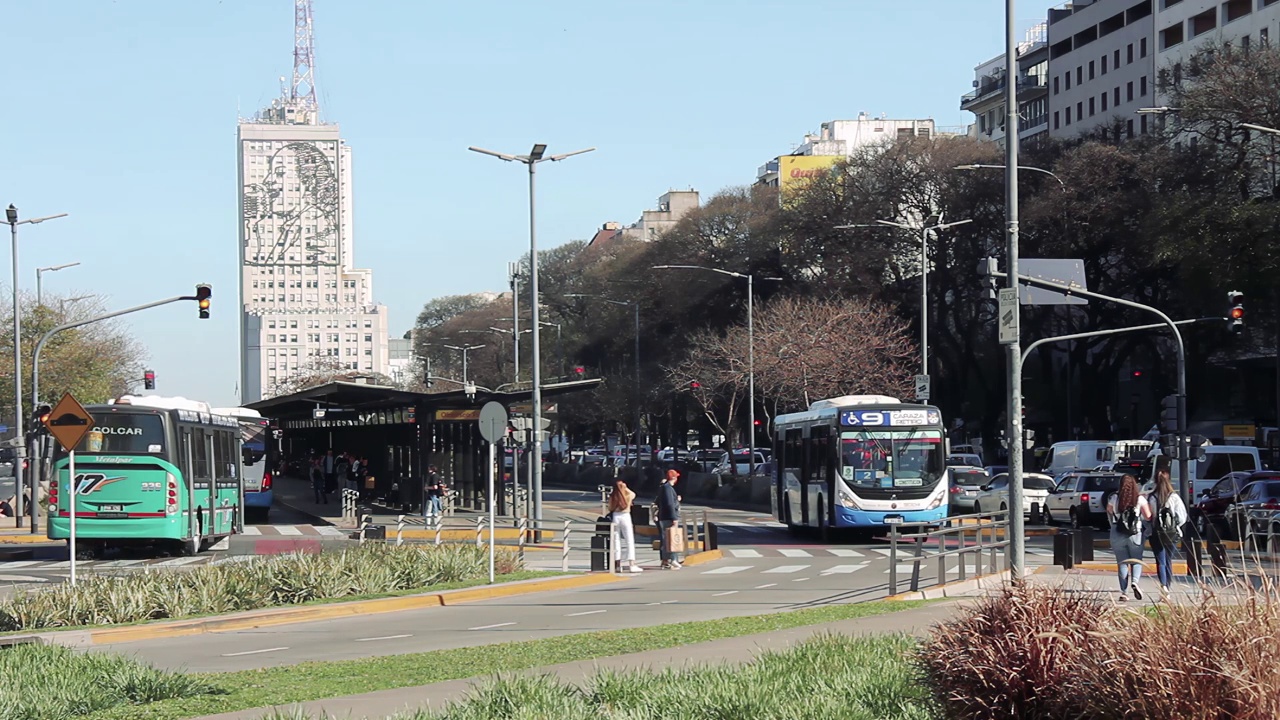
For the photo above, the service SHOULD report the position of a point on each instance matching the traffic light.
(1235, 312)
(38, 420)
(694, 384)
(203, 293)
(1169, 413)
(149, 379)
(579, 371)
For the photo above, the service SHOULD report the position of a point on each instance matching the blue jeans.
(664, 550)
(1164, 562)
(1127, 547)
(432, 507)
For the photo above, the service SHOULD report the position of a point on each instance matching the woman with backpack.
(1127, 510)
(1169, 514)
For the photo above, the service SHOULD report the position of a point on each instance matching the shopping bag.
(675, 539)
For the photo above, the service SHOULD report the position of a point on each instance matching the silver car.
(966, 483)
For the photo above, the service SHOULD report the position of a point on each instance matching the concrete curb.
(1179, 567)
(962, 588)
(705, 556)
(293, 615)
(26, 540)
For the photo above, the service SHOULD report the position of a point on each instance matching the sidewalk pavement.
(736, 650)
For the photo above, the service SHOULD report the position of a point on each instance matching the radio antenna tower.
(303, 91)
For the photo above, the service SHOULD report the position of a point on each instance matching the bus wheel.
(191, 547)
(86, 551)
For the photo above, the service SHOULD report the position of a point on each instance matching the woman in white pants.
(620, 512)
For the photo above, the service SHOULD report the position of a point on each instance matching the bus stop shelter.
(401, 433)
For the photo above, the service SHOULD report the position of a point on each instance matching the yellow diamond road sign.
(69, 421)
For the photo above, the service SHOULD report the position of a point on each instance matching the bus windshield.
(124, 433)
(903, 458)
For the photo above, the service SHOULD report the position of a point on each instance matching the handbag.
(369, 482)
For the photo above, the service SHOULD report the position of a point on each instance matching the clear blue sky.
(124, 115)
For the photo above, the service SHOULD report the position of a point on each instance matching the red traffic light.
(694, 384)
(759, 423)
(1137, 373)
(1237, 313)
(579, 370)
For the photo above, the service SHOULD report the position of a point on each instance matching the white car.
(964, 460)
(995, 495)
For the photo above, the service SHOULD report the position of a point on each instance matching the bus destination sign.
(890, 418)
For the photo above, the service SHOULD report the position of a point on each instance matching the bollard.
(438, 520)
(893, 560)
(564, 551)
(523, 525)
(613, 553)
(349, 499)
(479, 532)
(365, 522)
(400, 531)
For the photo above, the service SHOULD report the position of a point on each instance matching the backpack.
(1168, 529)
(1129, 522)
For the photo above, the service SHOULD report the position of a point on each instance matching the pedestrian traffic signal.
(149, 380)
(203, 293)
(1235, 312)
(694, 384)
(1169, 413)
(579, 371)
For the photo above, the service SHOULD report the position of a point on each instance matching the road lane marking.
(21, 563)
(664, 602)
(800, 579)
(22, 578)
(883, 551)
(726, 570)
(254, 652)
(722, 594)
(586, 612)
(906, 568)
(766, 585)
(745, 553)
(288, 530)
(330, 531)
(174, 562)
(786, 569)
(384, 637)
(118, 563)
(834, 569)
(490, 627)
(784, 552)
(251, 530)
(845, 552)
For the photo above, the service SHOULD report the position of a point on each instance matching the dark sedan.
(1210, 511)
(1257, 509)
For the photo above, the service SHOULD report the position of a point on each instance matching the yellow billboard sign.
(796, 171)
(1238, 432)
(457, 415)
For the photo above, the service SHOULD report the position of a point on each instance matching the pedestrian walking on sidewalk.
(1169, 515)
(330, 478)
(317, 483)
(1128, 513)
(433, 503)
(620, 511)
(669, 521)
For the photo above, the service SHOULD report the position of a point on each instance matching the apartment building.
(987, 99)
(1186, 27)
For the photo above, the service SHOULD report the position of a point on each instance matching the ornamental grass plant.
(262, 582)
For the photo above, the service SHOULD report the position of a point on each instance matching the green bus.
(159, 472)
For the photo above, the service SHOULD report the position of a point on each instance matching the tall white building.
(305, 307)
(1185, 27)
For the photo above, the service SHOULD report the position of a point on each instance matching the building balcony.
(985, 91)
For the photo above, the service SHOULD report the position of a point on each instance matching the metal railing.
(989, 532)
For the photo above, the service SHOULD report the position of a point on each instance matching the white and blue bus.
(257, 458)
(860, 461)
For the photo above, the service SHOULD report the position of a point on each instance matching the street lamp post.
(19, 432)
(751, 354)
(464, 349)
(1273, 132)
(43, 270)
(924, 275)
(636, 307)
(1017, 540)
(535, 156)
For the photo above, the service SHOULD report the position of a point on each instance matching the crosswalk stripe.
(786, 569)
(288, 530)
(730, 569)
(845, 552)
(883, 551)
(838, 569)
(251, 530)
(745, 553)
(786, 552)
(20, 563)
(330, 530)
(906, 568)
(21, 578)
(1038, 551)
(175, 562)
(118, 563)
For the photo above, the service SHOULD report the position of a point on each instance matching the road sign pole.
(72, 487)
(492, 504)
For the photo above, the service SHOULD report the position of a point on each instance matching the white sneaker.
(636, 569)
(675, 565)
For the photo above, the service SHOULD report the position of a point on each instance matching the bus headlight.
(937, 501)
(847, 500)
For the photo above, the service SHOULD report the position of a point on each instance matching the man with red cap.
(668, 518)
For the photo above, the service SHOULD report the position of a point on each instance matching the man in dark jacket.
(668, 517)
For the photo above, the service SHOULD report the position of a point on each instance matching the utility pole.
(1017, 540)
(513, 270)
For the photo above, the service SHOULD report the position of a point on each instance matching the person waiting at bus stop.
(668, 519)
(317, 482)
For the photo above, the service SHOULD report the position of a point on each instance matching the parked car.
(994, 470)
(995, 495)
(966, 482)
(1210, 510)
(1080, 498)
(741, 464)
(707, 460)
(964, 460)
(1257, 509)
(594, 456)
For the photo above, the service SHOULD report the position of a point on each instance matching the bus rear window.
(124, 433)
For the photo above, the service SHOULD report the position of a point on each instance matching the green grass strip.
(318, 680)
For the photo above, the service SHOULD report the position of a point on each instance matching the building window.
(270, 338)
(1055, 86)
(1244, 44)
(1068, 116)
(1116, 60)
(1091, 107)
(1080, 110)
(1142, 86)
(1116, 94)
(1143, 121)
(1129, 128)
(368, 323)
(1056, 124)
(1104, 102)
(1263, 37)
(1104, 65)
(1128, 91)
(1079, 74)
(1129, 54)
(1066, 79)
(1091, 66)
(1204, 22)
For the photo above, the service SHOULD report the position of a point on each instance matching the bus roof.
(161, 402)
(238, 412)
(831, 407)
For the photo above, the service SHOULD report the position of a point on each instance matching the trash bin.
(600, 551)
(1037, 517)
(639, 515)
(375, 532)
(1064, 549)
(1084, 544)
(712, 537)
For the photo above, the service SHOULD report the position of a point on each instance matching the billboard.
(795, 171)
